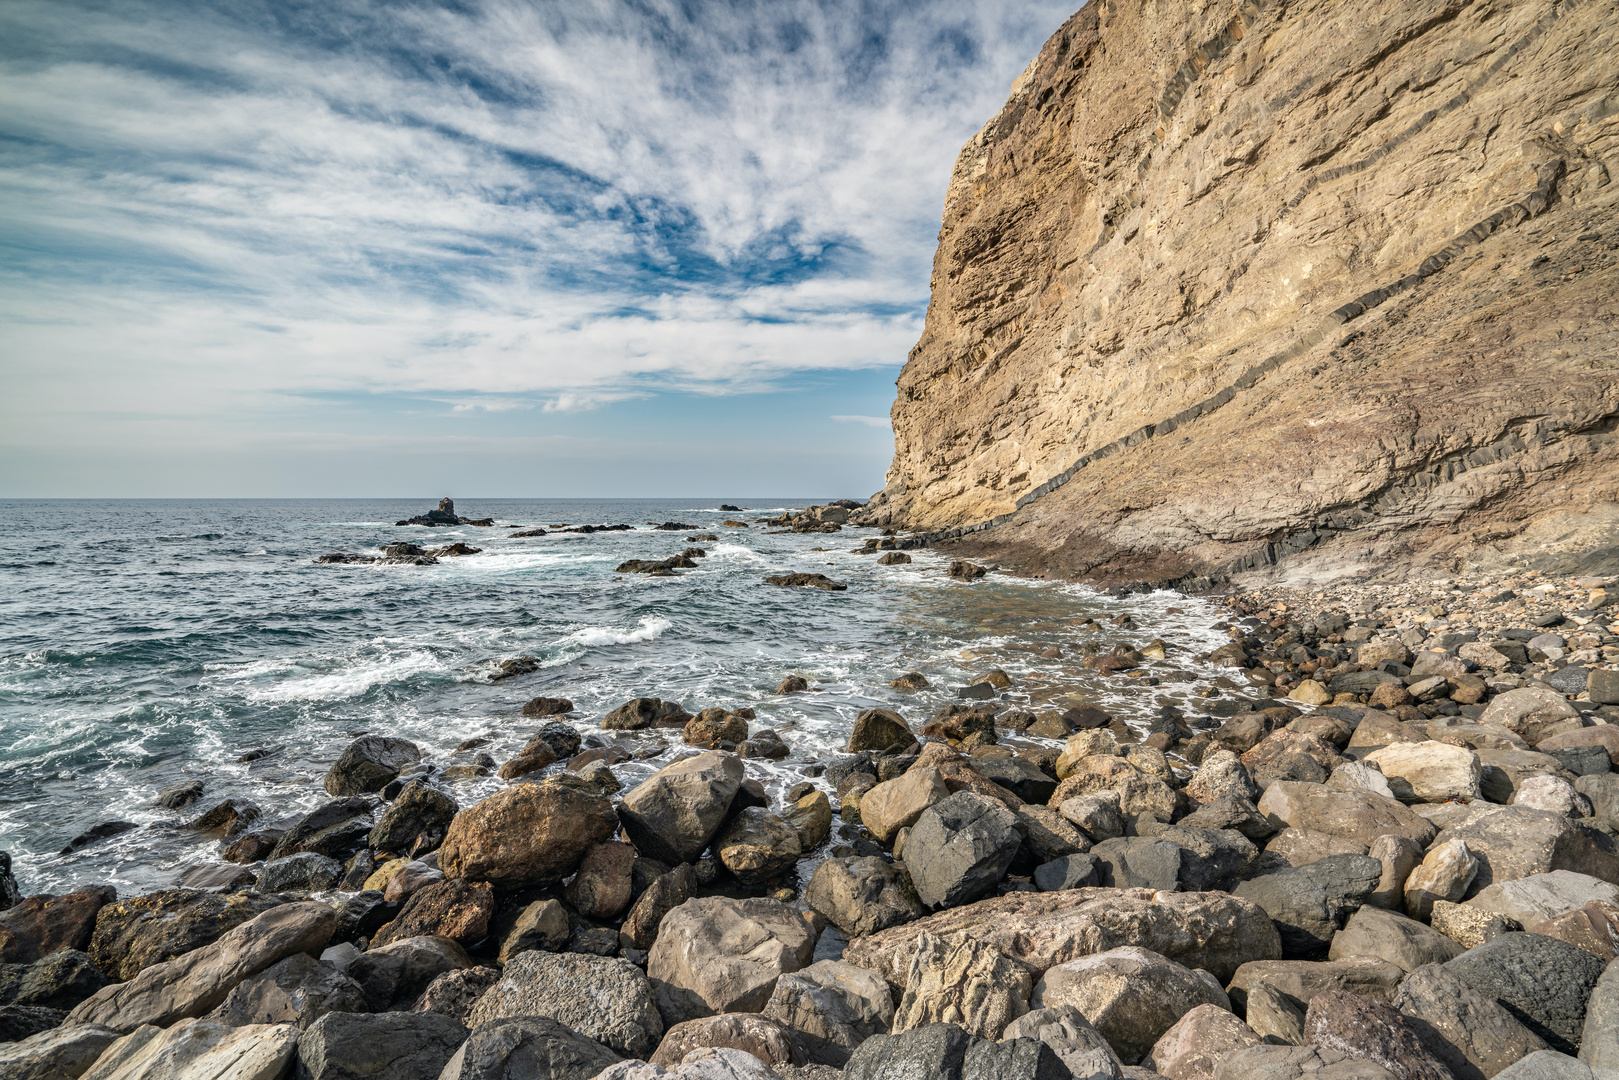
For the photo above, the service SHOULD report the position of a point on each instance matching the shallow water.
(147, 643)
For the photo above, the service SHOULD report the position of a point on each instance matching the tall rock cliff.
(1297, 287)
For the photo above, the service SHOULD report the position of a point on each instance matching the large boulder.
(1358, 815)
(395, 1045)
(878, 729)
(717, 955)
(665, 893)
(862, 894)
(454, 993)
(757, 847)
(299, 991)
(198, 981)
(58, 981)
(1429, 771)
(603, 887)
(1213, 931)
(966, 983)
(960, 849)
(531, 1047)
(61, 1053)
(1599, 1038)
(40, 925)
(1366, 1030)
(1472, 1033)
(1193, 1047)
(1131, 995)
(934, 1052)
(1539, 897)
(1515, 842)
(335, 829)
(456, 909)
(392, 976)
(896, 804)
(1299, 981)
(811, 815)
(768, 1040)
(1398, 856)
(1445, 874)
(831, 1007)
(1543, 982)
(368, 764)
(1372, 931)
(1518, 710)
(605, 998)
(1293, 1062)
(199, 1048)
(1310, 903)
(144, 930)
(416, 822)
(1078, 1045)
(673, 814)
(528, 834)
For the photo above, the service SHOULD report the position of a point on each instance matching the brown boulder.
(878, 729)
(40, 925)
(602, 888)
(1356, 815)
(455, 909)
(768, 1040)
(530, 834)
(1367, 1030)
(134, 934)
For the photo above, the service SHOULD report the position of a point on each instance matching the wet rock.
(105, 830)
(936, 1051)
(965, 983)
(861, 895)
(604, 998)
(1542, 981)
(831, 1007)
(673, 814)
(1310, 903)
(305, 872)
(198, 981)
(179, 796)
(960, 848)
(532, 1047)
(700, 967)
(529, 834)
(398, 1045)
(58, 981)
(1365, 1030)
(1469, 1032)
(547, 706)
(409, 879)
(298, 990)
(1193, 1047)
(764, 743)
(666, 892)
(766, 1039)
(40, 925)
(806, 581)
(878, 729)
(1131, 995)
(811, 816)
(252, 847)
(416, 822)
(454, 993)
(456, 909)
(336, 829)
(1446, 873)
(1356, 815)
(227, 818)
(757, 846)
(793, 684)
(63, 1053)
(1373, 931)
(393, 976)
(368, 764)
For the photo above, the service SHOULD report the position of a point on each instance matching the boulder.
(1542, 981)
(393, 976)
(1193, 1047)
(936, 1052)
(1365, 1030)
(1299, 847)
(673, 814)
(198, 981)
(1221, 774)
(1229, 812)
(396, 1045)
(1550, 1065)
(644, 712)
(831, 1007)
(960, 848)
(1213, 931)
(1446, 873)
(18, 1022)
(1519, 709)
(1097, 816)
(714, 726)
(1539, 897)
(1506, 770)
(811, 815)
(717, 955)
(1299, 981)
(528, 834)
(1398, 856)
(1594, 928)
(1020, 776)
(336, 829)
(416, 822)
(368, 764)
(298, 991)
(965, 983)
(454, 993)
(62, 1053)
(1068, 872)
(1373, 931)
(58, 981)
(666, 892)
(602, 888)
(1221, 857)
(1129, 994)
(1078, 1045)
(1139, 862)
(1294, 1062)
(199, 1048)
(1048, 835)
(1599, 1038)
(1466, 926)
(40, 925)
(757, 846)
(861, 895)
(1357, 815)
(604, 998)
(878, 729)
(1273, 1015)
(1553, 793)
(531, 1047)
(1470, 1032)
(768, 1040)
(305, 872)
(1429, 771)
(1310, 903)
(456, 909)
(1514, 842)
(896, 804)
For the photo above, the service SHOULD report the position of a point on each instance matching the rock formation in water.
(1302, 286)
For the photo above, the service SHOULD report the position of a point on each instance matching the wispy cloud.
(868, 421)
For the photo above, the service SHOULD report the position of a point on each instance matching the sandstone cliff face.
(1334, 282)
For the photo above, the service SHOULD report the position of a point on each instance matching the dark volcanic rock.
(416, 822)
(930, 1052)
(40, 925)
(58, 981)
(336, 829)
(807, 581)
(368, 763)
(1309, 903)
(533, 1048)
(1542, 981)
(959, 849)
(134, 934)
(395, 1045)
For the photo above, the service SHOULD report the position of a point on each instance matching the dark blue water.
(146, 643)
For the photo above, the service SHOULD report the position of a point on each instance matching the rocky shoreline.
(1398, 861)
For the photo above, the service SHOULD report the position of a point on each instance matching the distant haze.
(529, 249)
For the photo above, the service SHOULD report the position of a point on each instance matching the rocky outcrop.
(1228, 284)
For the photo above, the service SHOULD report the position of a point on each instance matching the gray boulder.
(1310, 903)
(1223, 857)
(199, 1048)
(1294, 1062)
(1079, 1046)
(369, 763)
(1599, 1039)
(1540, 897)
(1473, 1034)
(718, 955)
(454, 993)
(362, 1046)
(1139, 862)
(394, 975)
(1542, 981)
(531, 1047)
(1131, 995)
(673, 814)
(336, 829)
(863, 894)
(1373, 931)
(59, 980)
(1550, 1065)
(416, 822)
(934, 1052)
(1515, 842)
(604, 998)
(299, 990)
(1192, 1049)
(305, 872)
(1013, 1059)
(63, 1053)
(1068, 872)
(832, 1007)
(960, 848)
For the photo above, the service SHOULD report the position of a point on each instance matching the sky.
(495, 248)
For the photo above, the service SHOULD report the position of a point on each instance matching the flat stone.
(199, 1048)
(298, 991)
(62, 1053)
(1540, 897)
(1356, 815)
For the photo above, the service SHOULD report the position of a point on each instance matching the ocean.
(145, 643)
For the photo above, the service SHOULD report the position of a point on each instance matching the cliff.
(1299, 288)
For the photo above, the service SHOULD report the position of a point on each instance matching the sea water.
(149, 643)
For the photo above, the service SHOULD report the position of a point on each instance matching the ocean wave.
(299, 683)
(650, 629)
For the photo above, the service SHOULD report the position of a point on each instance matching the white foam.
(349, 683)
(650, 629)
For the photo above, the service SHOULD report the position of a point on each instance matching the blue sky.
(497, 248)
